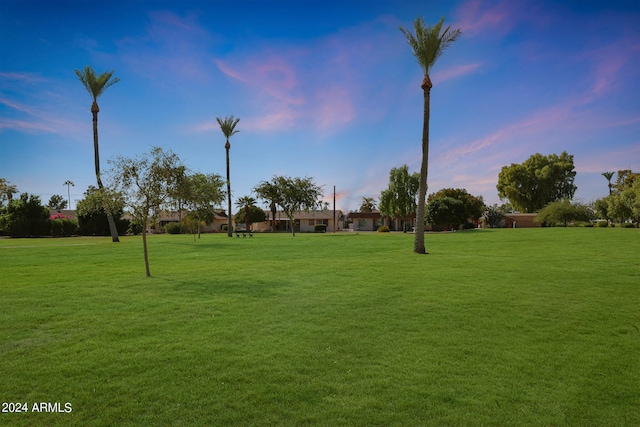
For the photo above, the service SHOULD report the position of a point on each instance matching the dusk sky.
(327, 89)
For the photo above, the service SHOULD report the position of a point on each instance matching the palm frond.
(96, 85)
(228, 125)
(429, 42)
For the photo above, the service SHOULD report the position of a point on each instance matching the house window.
(310, 222)
(323, 221)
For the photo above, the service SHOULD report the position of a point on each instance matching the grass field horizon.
(530, 327)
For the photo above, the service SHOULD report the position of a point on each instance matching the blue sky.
(327, 89)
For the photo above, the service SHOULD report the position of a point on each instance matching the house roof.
(317, 214)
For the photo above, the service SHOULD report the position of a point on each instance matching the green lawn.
(534, 327)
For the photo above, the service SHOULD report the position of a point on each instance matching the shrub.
(602, 224)
(63, 227)
(383, 229)
(627, 225)
(586, 224)
(172, 228)
(320, 228)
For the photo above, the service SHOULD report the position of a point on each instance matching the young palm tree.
(609, 177)
(427, 44)
(246, 203)
(228, 126)
(96, 85)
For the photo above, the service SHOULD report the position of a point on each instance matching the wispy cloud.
(456, 71)
(486, 17)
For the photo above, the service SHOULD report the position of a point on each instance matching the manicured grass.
(494, 327)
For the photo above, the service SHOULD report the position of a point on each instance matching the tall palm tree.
(427, 44)
(246, 203)
(609, 177)
(69, 184)
(96, 85)
(228, 126)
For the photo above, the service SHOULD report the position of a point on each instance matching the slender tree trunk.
(227, 146)
(418, 245)
(274, 211)
(112, 224)
(144, 245)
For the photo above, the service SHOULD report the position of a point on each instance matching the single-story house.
(303, 221)
(370, 221)
(521, 220)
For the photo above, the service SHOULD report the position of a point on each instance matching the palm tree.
(609, 177)
(96, 85)
(246, 203)
(427, 44)
(228, 126)
(368, 204)
(69, 183)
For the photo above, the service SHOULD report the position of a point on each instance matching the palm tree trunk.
(229, 230)
(418, 245)
(112, 224)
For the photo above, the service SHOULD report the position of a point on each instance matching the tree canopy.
(540, 180)
(399, 199)
(297, 194)
(562, 212)
(473, 206)
(446, 211)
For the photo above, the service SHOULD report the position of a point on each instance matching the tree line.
(542, 184)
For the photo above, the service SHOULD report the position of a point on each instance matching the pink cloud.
(453, 72)
(30, 78)
(478, 17)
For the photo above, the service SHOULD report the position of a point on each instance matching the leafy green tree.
(368, 204)
(146, 183)
(91, 214)
(297, 194)
(626, 178)
(57, 202)
(538, 181)
(202, 194)
(562, 212)
(6, 191)
(625, 204)
(399, 199)
(245, 203)
(96, 86)
(474, 206)
(228, 126)
(25, 217)
(269, 192)
(427, 45)
(447, 212)
(494, 216)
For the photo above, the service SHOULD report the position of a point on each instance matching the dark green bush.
(383, 229)
(172, 228)
(320, 228)
(602, 224)
(63, 227)
(627, 225)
